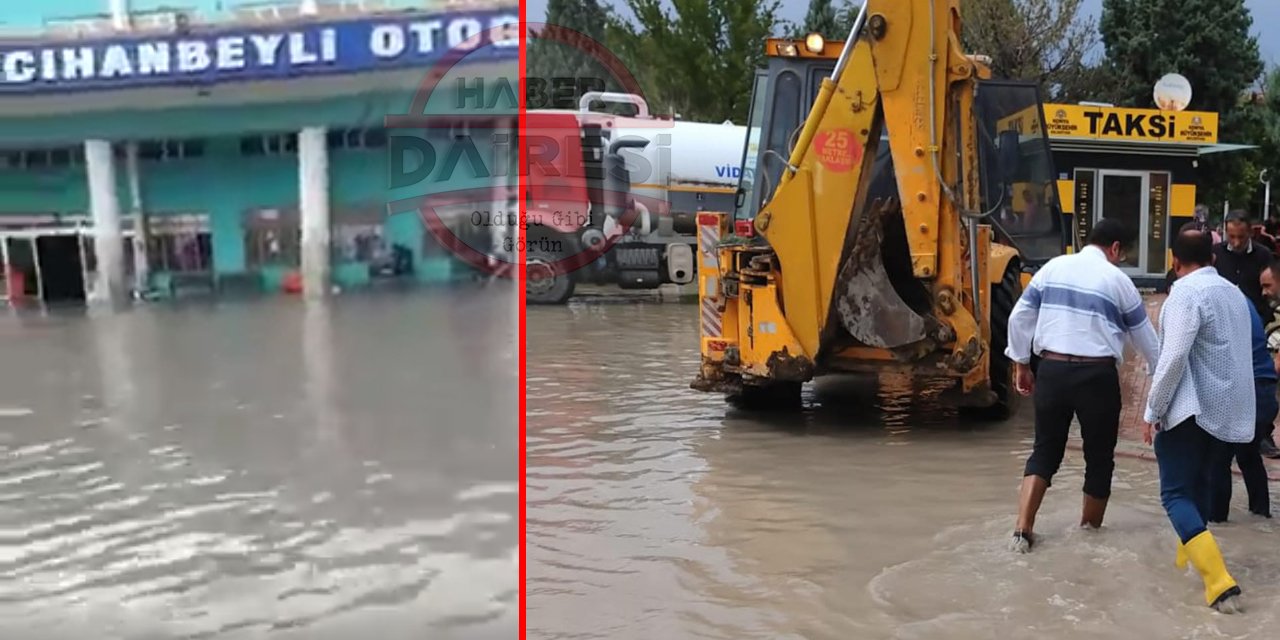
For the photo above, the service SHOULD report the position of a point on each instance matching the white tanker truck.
(614, 199)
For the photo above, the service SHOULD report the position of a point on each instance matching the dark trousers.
(1187, 455)
(1249, 459)
(1089, 392)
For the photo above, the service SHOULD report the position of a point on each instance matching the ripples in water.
(235, 492)
(657, 511)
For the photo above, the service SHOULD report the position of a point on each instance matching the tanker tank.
(689, 166)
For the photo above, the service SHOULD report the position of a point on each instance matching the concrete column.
(120, 15)
(313, 173)
(141, 265)
(105, 209)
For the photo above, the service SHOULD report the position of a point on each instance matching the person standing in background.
(1263, 238)
(1247, 455)
(1201, 221)
(1197, 408)
(1271, 329)
(1241, 260)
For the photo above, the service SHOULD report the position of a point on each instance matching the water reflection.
(655, 511)
(270, 469)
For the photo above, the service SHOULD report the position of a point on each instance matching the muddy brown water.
(656, 512)
(266, 469)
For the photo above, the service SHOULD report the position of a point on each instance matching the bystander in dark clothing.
(1271, 329)
(1241, 260)
(1265, 239)
(1248, 455)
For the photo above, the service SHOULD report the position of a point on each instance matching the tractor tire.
(774, 396)
(546, 282)
(1004, 295)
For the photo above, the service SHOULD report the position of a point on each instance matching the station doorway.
(43, 267)
(52, 265)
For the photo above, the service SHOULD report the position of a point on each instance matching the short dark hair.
(1275, 268)
(1193, 246)
(1194, 225)
(1109, 231)
(1238, 215)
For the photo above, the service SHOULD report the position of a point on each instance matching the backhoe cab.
(890, 229)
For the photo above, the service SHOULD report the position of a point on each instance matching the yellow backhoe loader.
(892, 229)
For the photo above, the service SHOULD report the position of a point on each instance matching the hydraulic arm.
(831, 275)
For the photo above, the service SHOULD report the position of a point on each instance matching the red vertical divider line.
(520, 277)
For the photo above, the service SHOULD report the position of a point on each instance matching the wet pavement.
(657, 512)
(265, 469)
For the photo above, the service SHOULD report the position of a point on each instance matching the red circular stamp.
(559, 185)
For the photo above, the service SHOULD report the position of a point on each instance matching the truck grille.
(637, 257)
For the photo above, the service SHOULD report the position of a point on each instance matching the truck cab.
(611, 198)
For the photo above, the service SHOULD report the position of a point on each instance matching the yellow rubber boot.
(1205, 556)
(1181, 560)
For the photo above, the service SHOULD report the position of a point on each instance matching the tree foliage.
(1042, 40)
(553, 63)
(825, 18)
(1207, 41)
(1264, 111)
(696, 59)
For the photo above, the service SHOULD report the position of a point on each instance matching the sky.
(1264, 12)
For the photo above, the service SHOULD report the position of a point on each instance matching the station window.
(357, 242)
(272, 238)
(375, 138)
(269, 145)
(357, 138)
(58, 157)
(180, 243)
(358, 236)
(167, 150)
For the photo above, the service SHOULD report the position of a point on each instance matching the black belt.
(1063, 357)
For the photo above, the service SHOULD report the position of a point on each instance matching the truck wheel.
(546, 282)
(774, 396)
(1004, 296)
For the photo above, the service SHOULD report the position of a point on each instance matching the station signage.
(261, 53)
(1131, 125)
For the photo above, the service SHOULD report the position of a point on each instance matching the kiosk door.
(1123, 195)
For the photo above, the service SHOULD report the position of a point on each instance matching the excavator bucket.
(867, 304)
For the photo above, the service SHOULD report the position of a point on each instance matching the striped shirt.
(1081, 305)
(1205, 369)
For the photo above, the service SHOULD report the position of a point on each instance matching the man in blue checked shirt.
(1197, 407)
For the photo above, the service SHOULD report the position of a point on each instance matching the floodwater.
(657, 512)
(265, 469)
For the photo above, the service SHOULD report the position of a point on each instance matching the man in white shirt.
(1200, 401)
(1076, 314)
